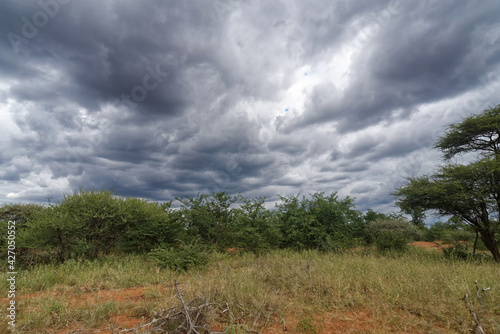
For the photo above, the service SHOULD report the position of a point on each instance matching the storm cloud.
(165, 99)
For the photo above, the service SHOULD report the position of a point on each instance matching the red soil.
(433, 245)
(89, 298)
(356, 321)
(332, 322)
(234, 250)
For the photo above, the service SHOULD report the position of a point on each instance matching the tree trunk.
(62, 249)
(475, 242)
(488, 238)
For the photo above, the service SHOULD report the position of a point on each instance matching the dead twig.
(191, 326)
(148, 325)
(479, 325)
(478, 294)
(193, 317)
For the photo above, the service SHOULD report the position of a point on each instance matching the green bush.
(89, 223)
(323, 222)
(457, 252)
(254, 228)
(208, 217)
(23, 215)
(388, 234)
(151, 224)
(390, 240)
(460, 251)
(182, 256)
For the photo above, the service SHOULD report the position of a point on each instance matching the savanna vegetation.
(243, 268)
(469, 192)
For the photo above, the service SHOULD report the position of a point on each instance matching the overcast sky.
(162, 99)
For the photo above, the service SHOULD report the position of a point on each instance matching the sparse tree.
(471, 191)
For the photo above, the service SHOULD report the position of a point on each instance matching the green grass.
(56, 313)
(418, 289)
(107, 273)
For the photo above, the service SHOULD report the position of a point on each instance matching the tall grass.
(289, 282)
(417, 289)
(107, 273)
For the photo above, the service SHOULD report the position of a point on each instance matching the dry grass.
(416, 292)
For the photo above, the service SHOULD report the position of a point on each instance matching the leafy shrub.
(457, 236)
(452, 231)
(309, 325)
(150, 224)
(460, 251)
(182, 256)
(390, 234)
(23, 215)
(208, 217)
(457, 252)
(323, 222)
(254, 228)
(89, 223)
(390, 240)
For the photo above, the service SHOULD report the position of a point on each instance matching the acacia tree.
(468, 191)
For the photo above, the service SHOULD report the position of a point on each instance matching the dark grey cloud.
(164, 99)
(420, 53)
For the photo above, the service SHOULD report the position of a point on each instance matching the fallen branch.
(193, 317)
(191, 326)
(479, 325)
(478, 294)
(148, 325)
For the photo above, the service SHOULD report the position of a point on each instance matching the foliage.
(451, 231)
(354, 284)
(89, 223)
(308, 325)
(371, 216)
(476, 133)
(22, 214)
(417, 215)
(470, 192)
(462, 191)
(457, 251)
(322, 222)
(254, 228)
(389, 234)
(152, 224)
(182, 256)
(208, 217)
(388, 240)
(441, 232)
(460, 251)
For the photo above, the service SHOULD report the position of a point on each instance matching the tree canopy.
(476, 133)
(468, 191)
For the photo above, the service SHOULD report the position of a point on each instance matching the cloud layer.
(163, 99)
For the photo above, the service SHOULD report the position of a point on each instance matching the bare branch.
(191, 326)
(479, 325)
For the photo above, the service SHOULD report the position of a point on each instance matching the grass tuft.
(417, 291)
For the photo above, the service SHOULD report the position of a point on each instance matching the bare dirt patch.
(355, 322)
(126, 298)
(330, 322)
(438, 245)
